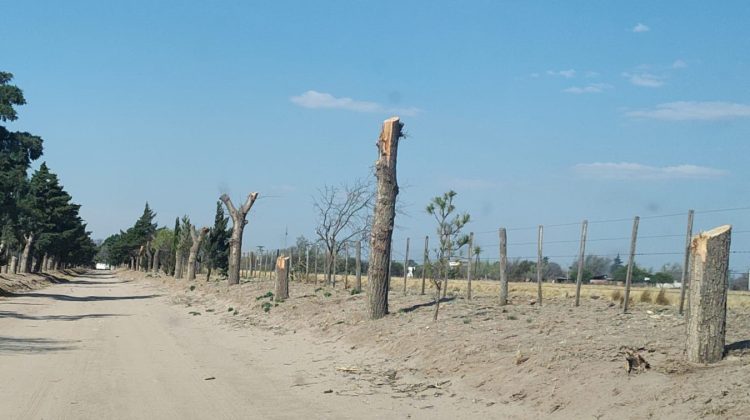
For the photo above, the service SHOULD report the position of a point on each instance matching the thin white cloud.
(592, 88)
(637, 171)
(645, 79)
(591, 74)
(679, 64)
(568, 74)
(693, 111)
(640, 28)
(319, 100)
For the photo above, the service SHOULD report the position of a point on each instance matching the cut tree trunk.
(45, 262)
(238, 226)
(179, 259)
(197, 240)
(155, 266)
(707, 307)
(26, 254)
(383, 218)
(282, 279)
(13, 264)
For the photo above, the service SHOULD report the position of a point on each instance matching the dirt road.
(103, 347)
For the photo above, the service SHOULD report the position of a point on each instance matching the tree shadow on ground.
(80, 298)
(737, 346)
(16, 315)
(34, 345)
(425, 305)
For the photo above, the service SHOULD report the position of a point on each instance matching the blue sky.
(534, 112)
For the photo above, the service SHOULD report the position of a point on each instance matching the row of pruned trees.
(178, 252)
(40, 225)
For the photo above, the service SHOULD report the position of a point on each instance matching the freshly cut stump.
(709, 282)
(282, 279)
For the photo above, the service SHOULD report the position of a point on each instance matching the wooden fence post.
(406, 262)
(282, 278)
(346, 265)
(307, 264)
(424, 261)
(631, 264)
(540, 240)
(684, 278)
(358, 267)
(335, 257)
(581, 259)
(468, 266)
(316, 266)
(503, 266)
(707, 307)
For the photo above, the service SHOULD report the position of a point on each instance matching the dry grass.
(661, 298)
(646, 296)
(736, 299)
(616, 296)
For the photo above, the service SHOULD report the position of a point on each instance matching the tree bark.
(155, 266)
(45, 262)
(238, 226)
(178, 265)
(707, 307)
(282, 279)
(149, 257)
(197, 240)
(383, 219)
(26, 254)
(13, 264)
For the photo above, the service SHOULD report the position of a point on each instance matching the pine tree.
(17, 151)
(218, 242)
(175, 243)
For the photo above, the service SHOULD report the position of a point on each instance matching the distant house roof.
(600, 277)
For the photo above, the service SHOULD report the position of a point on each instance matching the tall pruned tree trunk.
(179, 259)
(383, 219)
(45, 262)
(238, 226)
(707, 307)
(156, 262)
(197, 240)
(13, 264)
(26, 254)
(149, 257)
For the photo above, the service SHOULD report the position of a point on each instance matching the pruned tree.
(449, 228)
(384, 216)
(343, 216)
(239, 220)
(161, 247)
(184, 241)
(197, 239)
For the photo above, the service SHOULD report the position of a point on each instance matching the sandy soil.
(518, 361)
(104, 347)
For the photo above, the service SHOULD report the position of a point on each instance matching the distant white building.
(102, 266)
